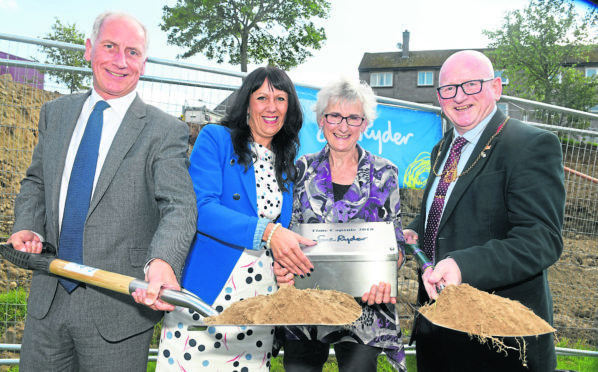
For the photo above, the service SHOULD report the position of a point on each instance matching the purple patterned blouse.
(373, 197)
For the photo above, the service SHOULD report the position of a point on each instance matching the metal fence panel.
(175, 86)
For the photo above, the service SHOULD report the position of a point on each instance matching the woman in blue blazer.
(242, 172)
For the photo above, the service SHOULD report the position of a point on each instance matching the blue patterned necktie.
(70, 247)
(447, 177)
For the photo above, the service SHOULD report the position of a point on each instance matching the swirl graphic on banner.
(417, 172)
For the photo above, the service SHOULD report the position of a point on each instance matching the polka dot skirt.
(222, 348)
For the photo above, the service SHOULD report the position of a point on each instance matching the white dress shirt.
(113, 117)
(472, 136)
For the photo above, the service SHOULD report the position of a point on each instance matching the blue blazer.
(227, 213)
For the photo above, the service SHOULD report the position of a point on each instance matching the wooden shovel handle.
(86, 274)
(126, 284)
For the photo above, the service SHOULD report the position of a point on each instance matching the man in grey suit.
(141, 218)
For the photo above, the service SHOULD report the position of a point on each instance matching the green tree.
(280, 32)
(68, 33)
(538, 49)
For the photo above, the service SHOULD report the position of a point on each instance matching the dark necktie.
(70, 247)
(449, 174)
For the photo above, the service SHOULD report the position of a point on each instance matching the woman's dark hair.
(285, 143)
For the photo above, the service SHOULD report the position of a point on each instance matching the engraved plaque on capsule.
(350, 257)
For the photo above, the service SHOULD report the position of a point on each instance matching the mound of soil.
(292, 306)
(19, 113)
(476, 312)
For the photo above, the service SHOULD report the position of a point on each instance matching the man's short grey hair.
(97, 24)
(347, 90)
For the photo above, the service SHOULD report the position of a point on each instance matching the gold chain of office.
(450, 175)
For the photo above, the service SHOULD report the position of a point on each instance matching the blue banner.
(401, 135)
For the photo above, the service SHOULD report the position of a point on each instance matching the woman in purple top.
(345, 183)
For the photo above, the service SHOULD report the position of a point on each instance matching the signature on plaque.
(339, 238)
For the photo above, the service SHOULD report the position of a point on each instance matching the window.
(425, 78)
(498, 73)
(591, 71)
(504, 107)
(558, 77)
(381, 79)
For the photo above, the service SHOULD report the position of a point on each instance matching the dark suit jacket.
(502, 223)
(143, 207)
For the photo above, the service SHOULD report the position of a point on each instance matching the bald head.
(468, 59)
(467, 110)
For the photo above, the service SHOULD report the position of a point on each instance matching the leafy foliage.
(280, 33)
(14, 307)
(75, 81)
(538, 49)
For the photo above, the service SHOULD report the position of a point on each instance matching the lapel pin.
(484, 151)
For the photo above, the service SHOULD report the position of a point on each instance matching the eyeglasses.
(336, 118)
(470, 87)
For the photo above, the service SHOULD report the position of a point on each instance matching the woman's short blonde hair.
(347, 90)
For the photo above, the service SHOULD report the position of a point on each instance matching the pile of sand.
(486, 317)
(476, 312)
(292, 306)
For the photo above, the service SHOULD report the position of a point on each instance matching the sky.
(353, 28)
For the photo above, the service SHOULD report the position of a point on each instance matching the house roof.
(416, 59)
(428, 59)
(592, 58)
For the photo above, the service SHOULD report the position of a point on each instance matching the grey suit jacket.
(143, 207)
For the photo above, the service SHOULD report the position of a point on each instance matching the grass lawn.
(14, 310)
(330, 366)
(570, 363)
(579, 364)
(574, 363)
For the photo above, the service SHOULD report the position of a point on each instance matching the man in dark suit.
(141, 215)
(499, 214)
